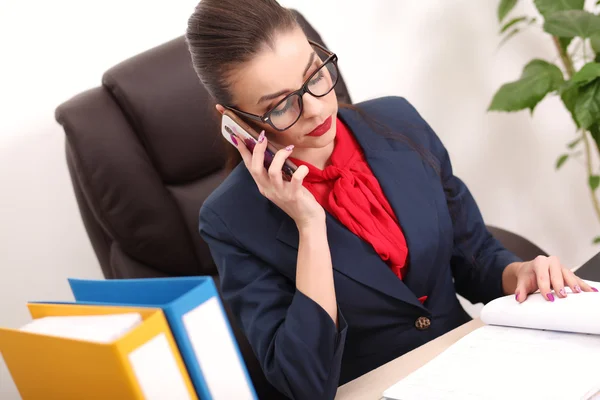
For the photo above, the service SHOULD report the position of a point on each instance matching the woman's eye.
(283, 107)
(317, 78)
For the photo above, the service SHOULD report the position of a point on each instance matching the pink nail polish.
(577, 289)
(594, 289)
(563, 292)
(517, 296)
(234, 140)
(290, 147)
(550, 297)
(261, 137)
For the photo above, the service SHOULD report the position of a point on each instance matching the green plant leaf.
(514, 31)
(561, 160)
(587, 105)
(595, 132)
(586, 74)
(508, 36)
(595, 42)
(569, 98)
(597, 238)
(504, 8)
(511, 23)
(572, 23)
(574, 143)
(547, 7)
(537, 80)
(594, 182)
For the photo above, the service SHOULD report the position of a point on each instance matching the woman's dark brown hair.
(222, 34)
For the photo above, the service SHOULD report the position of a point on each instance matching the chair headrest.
(170, 111)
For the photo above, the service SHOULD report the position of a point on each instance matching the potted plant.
(575, 33)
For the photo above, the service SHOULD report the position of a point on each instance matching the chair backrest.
(144, 151)
(523, 248)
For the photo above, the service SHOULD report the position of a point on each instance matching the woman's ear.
(220, 109)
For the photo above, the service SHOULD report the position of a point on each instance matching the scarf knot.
(349, 191)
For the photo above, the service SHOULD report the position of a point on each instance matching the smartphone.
(232, 125)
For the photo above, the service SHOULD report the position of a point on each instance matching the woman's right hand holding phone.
(314, 271)
(292, 197)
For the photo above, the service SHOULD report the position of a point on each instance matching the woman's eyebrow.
(310, 61)
(282, 92)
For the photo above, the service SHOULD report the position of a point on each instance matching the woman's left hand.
(545, 274)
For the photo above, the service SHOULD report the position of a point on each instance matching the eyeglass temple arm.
(319, 46)
(254, 117)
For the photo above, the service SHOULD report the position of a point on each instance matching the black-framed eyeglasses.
(289, 110)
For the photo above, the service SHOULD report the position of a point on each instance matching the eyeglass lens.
(288, 111)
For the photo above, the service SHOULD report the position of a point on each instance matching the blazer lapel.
(405, 183)
(354, 258)
(408, 186)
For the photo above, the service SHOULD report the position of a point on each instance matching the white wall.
(442, 55)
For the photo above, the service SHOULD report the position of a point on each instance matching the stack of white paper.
(533, 350)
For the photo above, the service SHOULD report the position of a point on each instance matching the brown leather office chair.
(520, 246)
(144, 151)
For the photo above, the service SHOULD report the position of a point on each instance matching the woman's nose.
(313, 106)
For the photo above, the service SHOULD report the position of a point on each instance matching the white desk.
(372, 385)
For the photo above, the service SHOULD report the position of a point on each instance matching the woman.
(358, 259)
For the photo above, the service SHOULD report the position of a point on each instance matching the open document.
(533, 350)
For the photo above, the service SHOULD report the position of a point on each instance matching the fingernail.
(261, 137)
(577, 289)
(517, 296)
(563, 292)
(550, 297)
(234, 140)
(594, 289)
(290, 147)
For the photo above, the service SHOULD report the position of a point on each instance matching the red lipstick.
(321, 129)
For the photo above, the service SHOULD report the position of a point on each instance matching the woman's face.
(263, 82)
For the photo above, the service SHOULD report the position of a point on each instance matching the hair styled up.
(223, 34)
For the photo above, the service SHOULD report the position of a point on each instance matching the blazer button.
(422, 323)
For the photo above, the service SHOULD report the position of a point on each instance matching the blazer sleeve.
(295, 341)
(478, 259)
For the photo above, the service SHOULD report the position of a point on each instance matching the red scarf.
(349, 191)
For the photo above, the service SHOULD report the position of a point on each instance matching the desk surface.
(372, 385)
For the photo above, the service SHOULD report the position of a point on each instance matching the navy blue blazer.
(254, 245)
